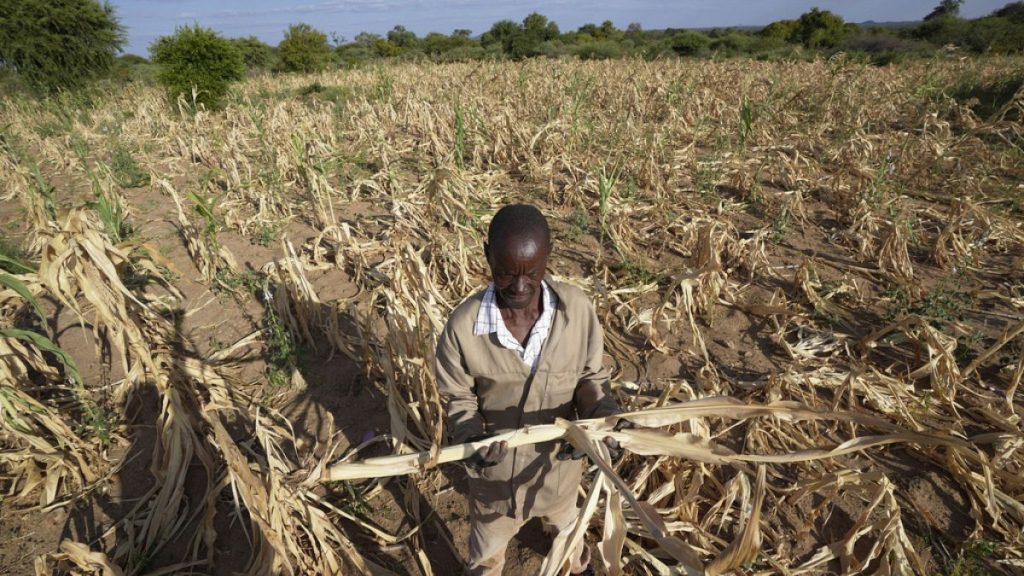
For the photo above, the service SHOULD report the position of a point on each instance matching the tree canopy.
(53, 45)
(303, 49)
(197, 61)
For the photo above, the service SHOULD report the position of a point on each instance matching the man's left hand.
(570, 452)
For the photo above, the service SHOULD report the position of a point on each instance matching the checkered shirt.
(489, 320)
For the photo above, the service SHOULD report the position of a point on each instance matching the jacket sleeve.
(457, 388)
(593, 396)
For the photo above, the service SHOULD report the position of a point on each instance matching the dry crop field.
(811, 277)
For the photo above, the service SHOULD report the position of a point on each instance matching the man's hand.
(488, 456)
(569, 451)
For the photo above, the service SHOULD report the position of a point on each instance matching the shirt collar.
(489, 317)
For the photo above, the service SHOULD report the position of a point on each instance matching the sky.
(146, 20)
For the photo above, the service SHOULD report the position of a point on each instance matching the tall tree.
(54, 45)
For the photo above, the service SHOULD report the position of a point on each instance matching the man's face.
(518, 263)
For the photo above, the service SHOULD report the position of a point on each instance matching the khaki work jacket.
(488, 390)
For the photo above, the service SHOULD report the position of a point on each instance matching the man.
(522, 352)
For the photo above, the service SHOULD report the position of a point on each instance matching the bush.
(255, 54)
(819, 29)
(464, 54)
(197, 60)
(132, 68)
(884, 49)
(601, 50)
(355, 53)
(304, 49)
(58, 45)
(690, 43)
(732, 43)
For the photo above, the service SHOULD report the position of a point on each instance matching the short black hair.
(517, 219)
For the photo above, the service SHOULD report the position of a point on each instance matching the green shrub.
(602, 50)
(464, 54)
(255, 54)
(317, 91)
(690, 43)
(882, 49)
(303, 49)
(732, 43)
(197, 61)
(819, 29)
(58, 45)
(132, 68)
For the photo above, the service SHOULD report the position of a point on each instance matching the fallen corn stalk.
(646, 442)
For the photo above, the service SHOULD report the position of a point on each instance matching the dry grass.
(864, 224)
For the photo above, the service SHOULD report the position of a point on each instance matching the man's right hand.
(488, 456)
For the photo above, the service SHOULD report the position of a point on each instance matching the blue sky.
(146, 20)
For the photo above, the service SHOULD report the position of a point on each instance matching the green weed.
(606, 181)
(108, 208)
(126, 170)
(972, 559)
(13, 259)
(205, 207)
(579, 223)
(780, 225)
(746, 121)
(706, 180)
(43, 188)
(385, 88)
(337, 95)
(282, 353)
(943, 304)
(266, 234)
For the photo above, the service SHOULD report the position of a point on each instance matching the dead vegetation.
(810, 275)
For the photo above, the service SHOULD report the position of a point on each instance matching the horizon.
(147, 20)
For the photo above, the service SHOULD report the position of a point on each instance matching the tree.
(690, 43)
(303, 49)
(404, 39)
(1013, 11)
(819, 29)
(538, 28)
(54, 45)
(254, 53)
(945, 9)
(197, 61)
(783, 30)
(501, 33)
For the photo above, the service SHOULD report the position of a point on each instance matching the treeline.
(35, 36)
(813, 33)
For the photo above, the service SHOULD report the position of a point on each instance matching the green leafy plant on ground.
(126, 170)
(972, 559)
(282, 351)
(13, 259)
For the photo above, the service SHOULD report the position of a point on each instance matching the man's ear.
(487, 252)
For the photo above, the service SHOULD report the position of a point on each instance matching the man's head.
(517, 249)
